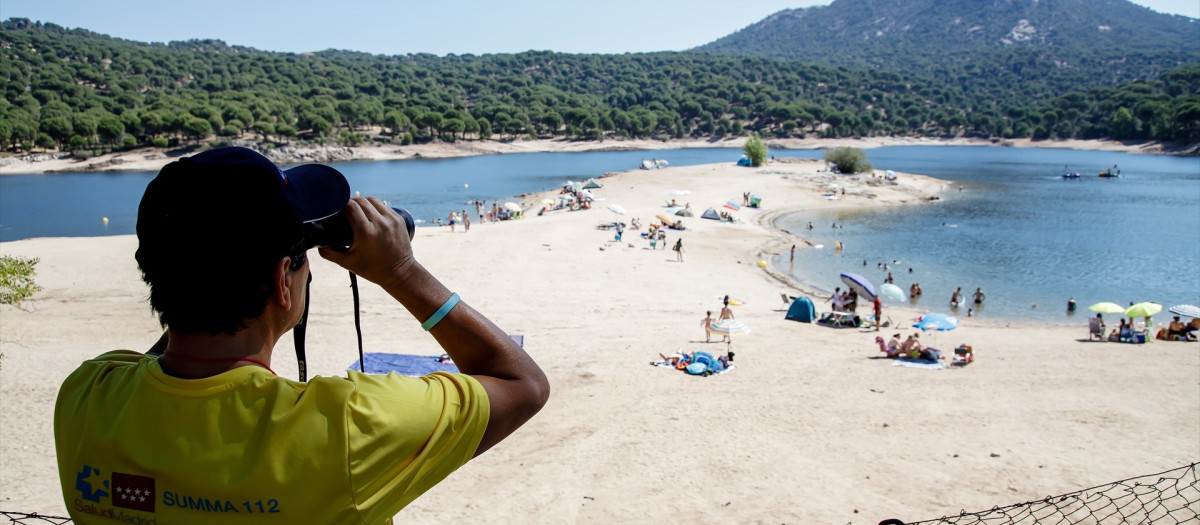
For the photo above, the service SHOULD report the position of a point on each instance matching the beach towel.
(919, 363)
(414, 365)
(406, 364)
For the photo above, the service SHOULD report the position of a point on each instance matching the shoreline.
(808, 409)
(150, 159)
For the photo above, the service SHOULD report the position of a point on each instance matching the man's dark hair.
(209, 272)
(212, 228)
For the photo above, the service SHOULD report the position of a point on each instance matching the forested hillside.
(1010, 49)
(81, 91)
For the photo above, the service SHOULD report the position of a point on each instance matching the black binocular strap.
(301, 327)
(298, 332)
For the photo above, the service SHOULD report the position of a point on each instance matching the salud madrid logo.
(127, 491)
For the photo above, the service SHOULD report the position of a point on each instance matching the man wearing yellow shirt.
(200, 430)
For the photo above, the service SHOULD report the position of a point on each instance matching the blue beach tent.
(802, 310)
(710, 214)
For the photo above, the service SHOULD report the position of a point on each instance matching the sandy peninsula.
(811, 426)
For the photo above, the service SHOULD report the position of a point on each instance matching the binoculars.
(334, 231)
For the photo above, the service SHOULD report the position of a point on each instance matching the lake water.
(74, 204)
(1021, 232)
(1017, 230)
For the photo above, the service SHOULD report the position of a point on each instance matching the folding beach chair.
(1095, 329)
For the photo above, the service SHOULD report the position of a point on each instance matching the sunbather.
(911, 345)
(1176, 329)
(892, 348)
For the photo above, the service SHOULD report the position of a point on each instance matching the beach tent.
(710, 214)
(802, 310)
(745, 161)
(592, 184)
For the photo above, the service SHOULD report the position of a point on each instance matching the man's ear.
(281, 284)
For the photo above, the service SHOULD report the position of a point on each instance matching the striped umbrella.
(1186, 310)
(728, 327)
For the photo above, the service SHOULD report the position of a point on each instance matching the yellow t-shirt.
(136, 445)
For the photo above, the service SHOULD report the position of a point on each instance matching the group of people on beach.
(846, 301)
(910, 348)
(460, 217)
(1125, 332)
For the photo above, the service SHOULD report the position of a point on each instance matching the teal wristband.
(440, 313)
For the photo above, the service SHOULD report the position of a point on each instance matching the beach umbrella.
(565, 197)
(685, 213)
(616, 209)
(892, 292)
(1107, 308)
(1186, 310)
(1143, 310)
(513, 207)
(860, 284)
(728, 327)
(936, 322)
(592, 184)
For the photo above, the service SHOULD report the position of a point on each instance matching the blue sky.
(438, 26)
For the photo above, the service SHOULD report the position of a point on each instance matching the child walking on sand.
(704, 323)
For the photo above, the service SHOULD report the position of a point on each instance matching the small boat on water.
(1071, 175)
(1112, 172)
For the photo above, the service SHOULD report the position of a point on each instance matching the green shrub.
(160, 142)
(16, 279)
(755, 149)
(848, 160)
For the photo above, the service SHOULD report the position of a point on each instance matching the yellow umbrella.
(1143, 310)
(1107, 308)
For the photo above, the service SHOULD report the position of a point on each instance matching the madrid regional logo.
(128, 491)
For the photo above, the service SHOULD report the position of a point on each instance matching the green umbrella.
(1107, 308)
(1143, 310)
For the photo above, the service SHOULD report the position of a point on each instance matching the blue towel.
(411, 365)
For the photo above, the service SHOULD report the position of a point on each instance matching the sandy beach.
(811, 426)
(148, 159)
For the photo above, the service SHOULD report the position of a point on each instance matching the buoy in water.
(465, 186)
(104, 220)
(357, 194)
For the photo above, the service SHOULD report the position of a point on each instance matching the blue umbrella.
(936, 322)
(860, 284)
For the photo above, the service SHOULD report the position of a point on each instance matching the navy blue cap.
(314, 191)
(236, 195)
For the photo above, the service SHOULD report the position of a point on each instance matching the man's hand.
(381, 251)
